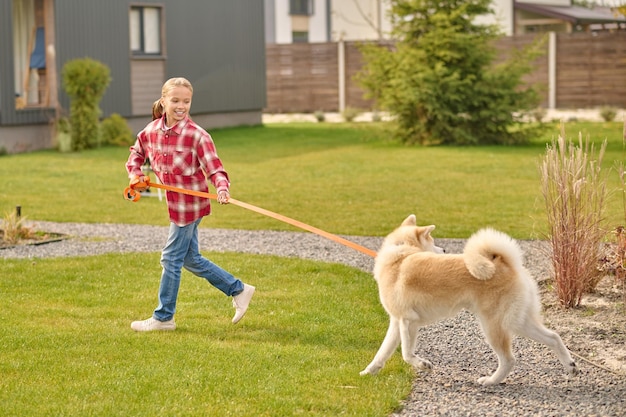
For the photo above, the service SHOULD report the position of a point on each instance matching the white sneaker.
(241, 302)
(152, 324)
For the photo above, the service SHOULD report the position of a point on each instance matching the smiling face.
(176, 104)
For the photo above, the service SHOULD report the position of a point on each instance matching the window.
(29, 53)
(299, 37)
(145, 30)
(301, 7)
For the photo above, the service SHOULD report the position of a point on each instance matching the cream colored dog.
(420, 285)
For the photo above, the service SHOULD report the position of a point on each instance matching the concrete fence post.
(552, 70)
(341, 64)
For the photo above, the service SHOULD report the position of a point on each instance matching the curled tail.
(485, 247)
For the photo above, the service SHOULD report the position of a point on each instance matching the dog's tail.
(483, 249)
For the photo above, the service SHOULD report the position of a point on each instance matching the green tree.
(85, 80)
(440, 78)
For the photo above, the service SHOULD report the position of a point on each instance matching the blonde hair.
(157, 106)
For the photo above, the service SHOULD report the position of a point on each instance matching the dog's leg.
(389, 345)
(500, 341)
(408, 337)
(534, 330)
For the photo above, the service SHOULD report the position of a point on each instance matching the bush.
(608, 113)
(539, 114)
(63, 136)
(350, 113)
(85, 81)
(320, 116)
(115, 131)
(574, 191)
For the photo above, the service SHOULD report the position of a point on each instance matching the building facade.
(293, 21)
(218, 45)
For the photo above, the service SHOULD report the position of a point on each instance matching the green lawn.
(67, 348)
(339, 178)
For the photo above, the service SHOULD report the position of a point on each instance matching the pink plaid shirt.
(183, 156)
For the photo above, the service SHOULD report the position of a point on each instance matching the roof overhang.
(573, 14)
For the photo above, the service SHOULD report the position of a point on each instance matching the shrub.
(574, 190)
(115, 131)
(350, 113)
(63, 136)
(539, 114)
(608, 113)
(320, 116)
(85, 81)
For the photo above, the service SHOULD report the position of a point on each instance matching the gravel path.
(537, 387)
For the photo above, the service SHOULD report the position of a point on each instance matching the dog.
(418, 285)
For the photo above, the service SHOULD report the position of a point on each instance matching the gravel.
(537, 387)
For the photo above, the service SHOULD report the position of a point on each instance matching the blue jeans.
(182, 250)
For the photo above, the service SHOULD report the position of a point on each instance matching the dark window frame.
(141, 52)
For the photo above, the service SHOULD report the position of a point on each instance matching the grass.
(67, 348)
(339, 178)
(64, 328)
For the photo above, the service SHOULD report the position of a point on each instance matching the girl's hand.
(139, 183)
(223, 197)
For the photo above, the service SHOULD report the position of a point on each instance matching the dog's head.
(412, 235)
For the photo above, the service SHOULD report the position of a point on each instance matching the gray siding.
(220, 50)
(217, 44)
(98, 30)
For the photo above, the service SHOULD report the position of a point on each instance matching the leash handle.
(133, 195)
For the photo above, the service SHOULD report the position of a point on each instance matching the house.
(555, 16)
(292, 21)
(218, 45)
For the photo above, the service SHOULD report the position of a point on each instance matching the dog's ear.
(410, 221)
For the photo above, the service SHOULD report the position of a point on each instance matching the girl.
(183, 155)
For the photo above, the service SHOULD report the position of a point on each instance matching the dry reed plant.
(574, 191)
(13, 228)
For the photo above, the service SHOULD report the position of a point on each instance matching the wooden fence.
(578, 70)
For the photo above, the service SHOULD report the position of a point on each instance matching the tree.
(440, 80)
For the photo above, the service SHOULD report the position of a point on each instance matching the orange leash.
(133, 195)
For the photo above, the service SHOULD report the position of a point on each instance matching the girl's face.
(176, 105)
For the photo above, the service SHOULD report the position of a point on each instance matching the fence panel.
(302, 78)
(539, 75)
(590, 72)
